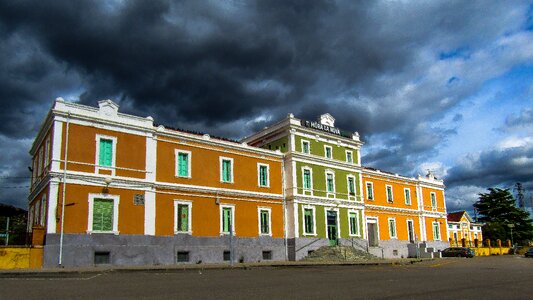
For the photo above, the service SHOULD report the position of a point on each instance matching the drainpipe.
(64, 193)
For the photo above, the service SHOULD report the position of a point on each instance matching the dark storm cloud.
(498, 167)
(231, 67)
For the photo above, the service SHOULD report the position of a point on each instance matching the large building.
(331, 198)
(463, 231)
(114, 188)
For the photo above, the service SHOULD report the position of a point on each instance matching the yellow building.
(463, 231)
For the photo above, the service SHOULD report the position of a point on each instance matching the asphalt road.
(503, 277)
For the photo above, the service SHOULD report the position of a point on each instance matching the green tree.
(497, 209)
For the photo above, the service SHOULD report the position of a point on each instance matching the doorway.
(331, 217)
(372, 228)
(411, 231)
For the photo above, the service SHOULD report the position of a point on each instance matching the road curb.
(58, 272)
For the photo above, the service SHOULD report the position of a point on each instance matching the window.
(392, 228)
(43, 211)
(106, 152)
(182, 256)
(103, 213)
(226, 169)
(226, 219)
(327, 151)
(309, 220)
(183, 163)
(330, 182)
(349, 156)
(41, 161)
(182, 217)
(267, 255)
(264, 221)
(351, 186)
(262, 176)
(47, 152)
(436, 231)
(370, 190)
(433, 197)
(354, 223)
(389, 194)
(407, 194)
(307, 185)
(306, 148)
(102, 258)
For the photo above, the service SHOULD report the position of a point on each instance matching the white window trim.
(354, 196)
(116, 202)
(358, 233)
(387, 193)
(314, 220)
(221, 217)
(433, 231)
(410, 197)
(310, 178)
(308, 143)
(176, 162)
(113, 157)
(259, 165)
(372, 188)
(259, 209)
(395, 228)
(351, 153)
(189, 214)
(325, 152)
(328, 193)
(431, 196)
(407, 228)
(221, 159)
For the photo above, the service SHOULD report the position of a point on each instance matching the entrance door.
(372, 234)
(411, 231)
(332, 227)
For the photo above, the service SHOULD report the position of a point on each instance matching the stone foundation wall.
(80, 249)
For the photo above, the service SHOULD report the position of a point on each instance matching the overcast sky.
(441, 85)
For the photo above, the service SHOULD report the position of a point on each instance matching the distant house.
(463, 231)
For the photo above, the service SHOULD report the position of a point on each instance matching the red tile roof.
(456, 216)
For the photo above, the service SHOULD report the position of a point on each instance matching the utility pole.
(520, 195)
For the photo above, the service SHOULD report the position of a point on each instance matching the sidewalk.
(185, 267)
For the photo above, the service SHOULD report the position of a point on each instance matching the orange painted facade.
(416, 206)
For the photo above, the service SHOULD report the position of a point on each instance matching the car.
(529, 253)
(458, 252)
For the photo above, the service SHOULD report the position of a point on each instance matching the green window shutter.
(226, 171)
(353, 223)
(307, 179)
(106, 153)
(308, 214)
(351, 188)
(183, 217)
(264, 222)
(330, 182)
(263, 175)
(226, 219)
(183, 164)
(103, 215)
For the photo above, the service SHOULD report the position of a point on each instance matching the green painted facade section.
(319, 181)
(280, 144)
(320, 221)
(317, 148)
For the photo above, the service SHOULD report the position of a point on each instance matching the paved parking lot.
(481, 277)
